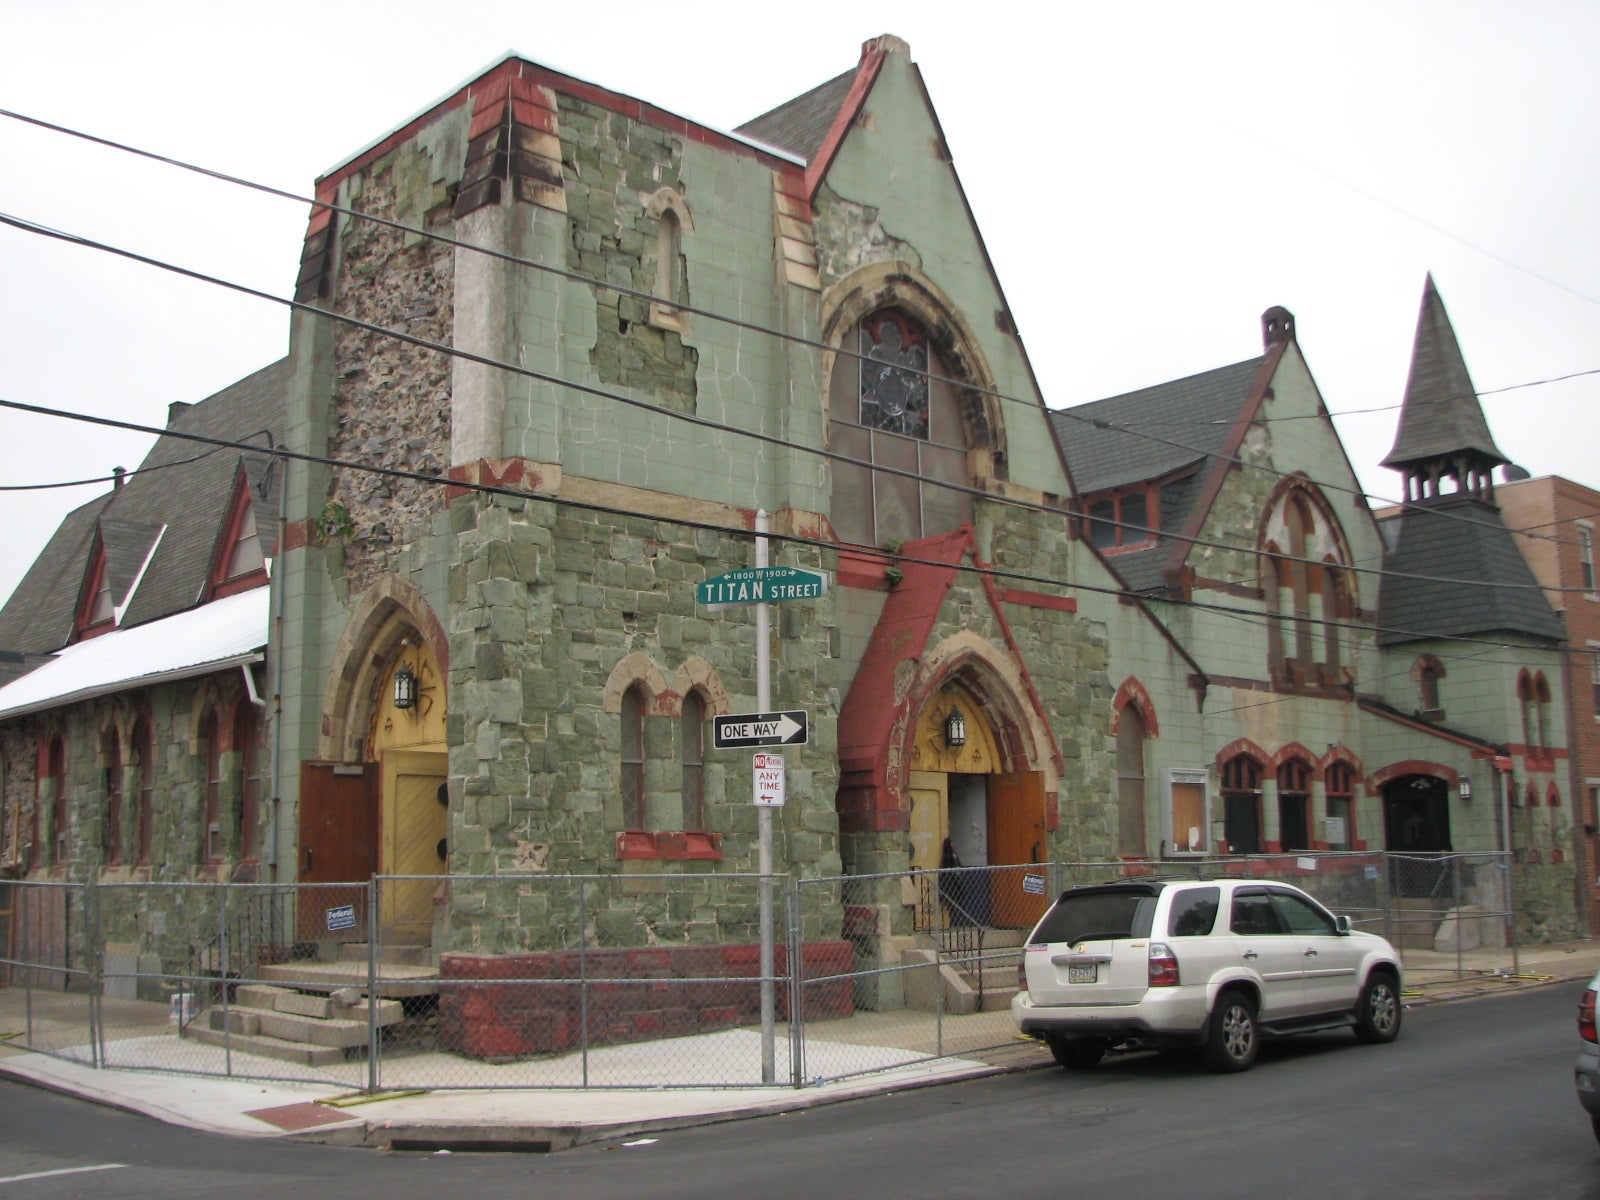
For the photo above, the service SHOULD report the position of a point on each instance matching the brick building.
(1555, 521)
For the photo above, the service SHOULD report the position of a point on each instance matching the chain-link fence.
(538, 981)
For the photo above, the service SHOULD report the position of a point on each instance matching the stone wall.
(547, 603)
(613, 165)
(391, 399)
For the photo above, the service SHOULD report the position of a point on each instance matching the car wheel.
(1076, 1054)
(1233, 1039)
(1378, 1011)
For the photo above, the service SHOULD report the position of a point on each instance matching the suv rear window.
(1099, 914)
(1194, 912)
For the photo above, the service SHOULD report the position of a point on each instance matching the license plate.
(1082, 972)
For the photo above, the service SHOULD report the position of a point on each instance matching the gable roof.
(1448, 572)
(160, 528)
(1166, 434)
(800, 125)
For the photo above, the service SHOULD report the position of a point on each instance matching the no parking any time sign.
(768, 772)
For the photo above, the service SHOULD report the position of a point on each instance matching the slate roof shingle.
(176, 503)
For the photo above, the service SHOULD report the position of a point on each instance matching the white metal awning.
(210, 638)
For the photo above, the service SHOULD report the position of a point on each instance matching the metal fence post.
(583, 979)
(94, 956)
(797, 1021)
(373, 1036)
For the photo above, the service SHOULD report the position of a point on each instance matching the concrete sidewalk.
(535, 1118)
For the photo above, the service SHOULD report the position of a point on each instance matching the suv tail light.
(1586, 1028)
(1164, 968)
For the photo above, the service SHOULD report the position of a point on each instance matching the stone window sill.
(680, 844)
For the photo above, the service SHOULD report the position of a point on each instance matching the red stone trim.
(685, 844)
(1039, 600)
(1133, 692)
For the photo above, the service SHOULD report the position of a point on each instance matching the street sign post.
(762, 585)
(760, 729)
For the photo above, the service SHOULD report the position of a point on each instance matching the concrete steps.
(967, 987)
(291, 1026)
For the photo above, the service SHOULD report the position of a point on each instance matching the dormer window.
(97, 612)
(241, 559)
(1121, 521)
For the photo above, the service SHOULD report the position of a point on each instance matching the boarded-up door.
(415, 824)
(338, 844)
(1016, 835)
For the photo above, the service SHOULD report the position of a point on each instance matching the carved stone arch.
(389, 612)
(994, 682)
(901, 285)
(1133, 693)
(697, 674)
(1339, 754)
(638, 668)
(1330, 546)
(1291, 751)
(1247, 748)
(664, 200)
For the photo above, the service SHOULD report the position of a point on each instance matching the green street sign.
(762, 585)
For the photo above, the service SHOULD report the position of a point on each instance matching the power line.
(689, 418)
(739, 531)
(621, 289)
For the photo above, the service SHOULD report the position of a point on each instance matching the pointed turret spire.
(1442, 432)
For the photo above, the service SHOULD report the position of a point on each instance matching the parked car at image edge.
(1586, 1071)
(1208, 963)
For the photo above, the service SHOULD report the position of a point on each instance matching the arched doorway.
(968, 812)
(1416, 822)
(375, 801)
(408, 742)
(1416, 814)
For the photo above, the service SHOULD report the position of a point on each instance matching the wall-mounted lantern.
(1464, 789)
(405, 687)
(955, 729)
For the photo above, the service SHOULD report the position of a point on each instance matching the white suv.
(1216, 963)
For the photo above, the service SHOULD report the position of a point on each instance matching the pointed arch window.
(211, 821)
(895, 415)
(1339, 789)
(144, 743)
(1241, 804)
(1131, 783)
(60, 824)
(693, 723)
(633, 764)
(1307, 585)
(111, 830)
(1294, 805)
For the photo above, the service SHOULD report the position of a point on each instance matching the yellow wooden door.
(415, 825)
(930, 825)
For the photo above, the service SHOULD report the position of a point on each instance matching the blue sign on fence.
(1033, 884)
(343, 917)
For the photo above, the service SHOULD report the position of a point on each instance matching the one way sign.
(760, 729)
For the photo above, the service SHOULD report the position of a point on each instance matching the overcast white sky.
(1149, 178)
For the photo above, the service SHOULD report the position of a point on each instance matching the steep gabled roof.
(1155, 431)
(1440, 417)
(801, 125)
(1165, 434)
(160, 528)
(1455, 571)
(38, 617)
